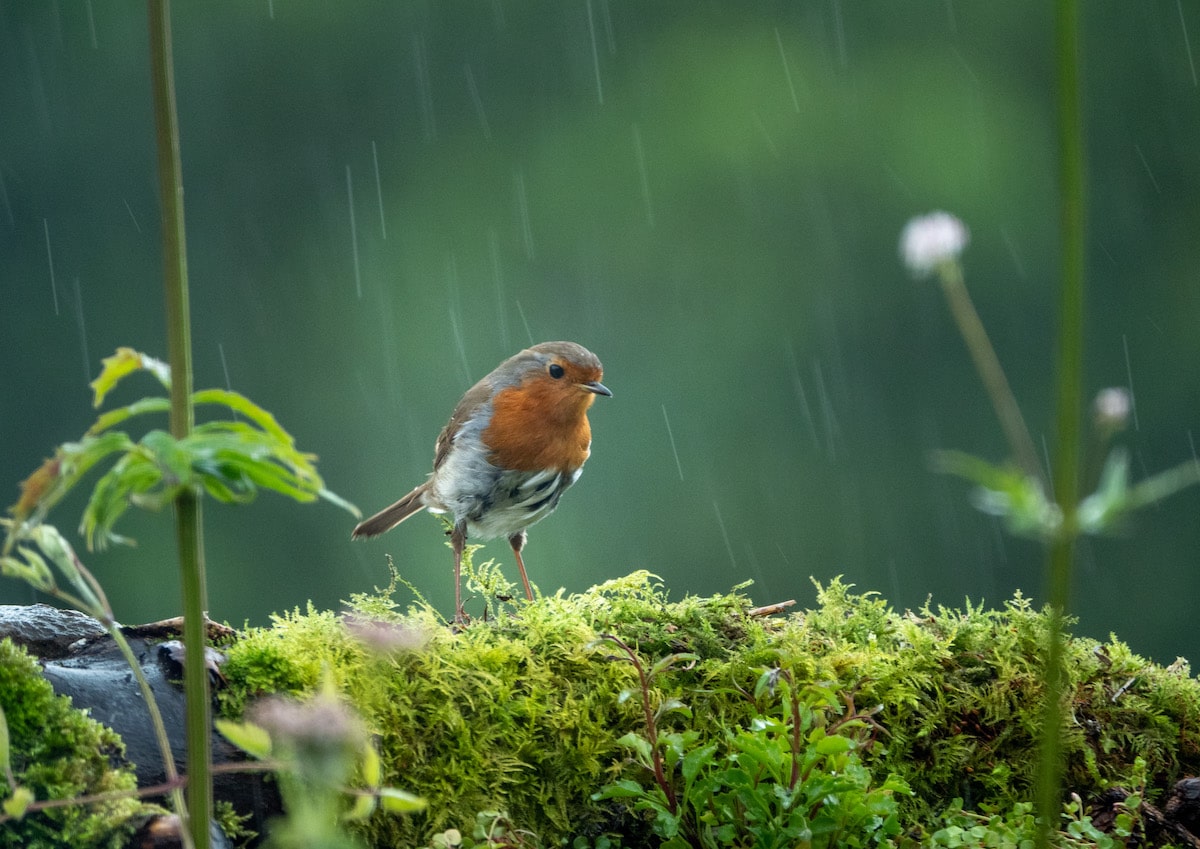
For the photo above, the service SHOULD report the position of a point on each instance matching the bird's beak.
(596, 387)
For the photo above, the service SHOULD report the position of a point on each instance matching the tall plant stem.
(187, 505)
(1070, 401)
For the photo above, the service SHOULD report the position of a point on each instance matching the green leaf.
(1006, 492)
(638, 744)
(122, 364)
(670, 660)
(372, 766)
(250, 738)
(241, 404)
(672, 706)
(361, 808)
(5, 752)
(696, 760)
(399, 802)
(142, 407)
(835, 744)
(624, 789)
(19, 802)
(58, 476)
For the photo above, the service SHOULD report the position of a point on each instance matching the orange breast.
(541, 424)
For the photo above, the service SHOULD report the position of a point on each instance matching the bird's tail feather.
(390, 516)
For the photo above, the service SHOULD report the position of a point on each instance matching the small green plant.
(228, 459)
(1029, 502)
(492, 830)
(231, 460)
(787, 780)
(316, 747)
(50, 752)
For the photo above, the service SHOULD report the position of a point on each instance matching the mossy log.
(523, 713)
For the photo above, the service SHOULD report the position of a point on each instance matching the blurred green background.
(386, 199)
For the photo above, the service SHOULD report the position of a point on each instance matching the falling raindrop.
(802, 396)
(671, 437)
(724, 534)
(91, 25)
(353, 233)
(762, 127)
(132, 217)
(787, 71)
(1187, 42)
(424, 90)
(478, 101)
(1129, 374)
(379, 190)
(839, 29)
(606, 15)
(1049, 465)
(83, 344)
(50, 260)
(4, 199)
(456, 330)
(641, 164)
(827, 414)
(521, 313)
(1012, 252)
(523, 214)
(1146, 165)
(225, 371)
(595, 54)
(498, 281)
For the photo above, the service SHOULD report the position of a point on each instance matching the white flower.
(1112, 407)
(929, 240)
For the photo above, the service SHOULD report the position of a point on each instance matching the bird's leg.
(458, 541)
(517, 541)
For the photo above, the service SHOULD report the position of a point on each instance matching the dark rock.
(81, 661)
(47, 632)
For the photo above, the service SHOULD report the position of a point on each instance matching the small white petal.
(1112, 407)
(929, 240)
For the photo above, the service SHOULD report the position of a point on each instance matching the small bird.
(514, 444)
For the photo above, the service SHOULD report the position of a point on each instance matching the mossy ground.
(58, 752)
(522, 713)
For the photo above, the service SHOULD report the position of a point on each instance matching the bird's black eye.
(556, 371)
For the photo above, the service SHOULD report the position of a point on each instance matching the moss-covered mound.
(525, 714)
(57, 752)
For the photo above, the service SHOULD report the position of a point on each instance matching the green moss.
(58, 752)
(522, 714)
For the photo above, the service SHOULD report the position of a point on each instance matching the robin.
(514, 444)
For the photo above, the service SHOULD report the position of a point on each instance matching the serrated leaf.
(696, 760)
(122, 364)
(250, 738)
(241, 404)
(400, 802)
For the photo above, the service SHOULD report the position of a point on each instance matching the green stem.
(187, 505)
(1070, 402)
(1008, 411)
(156, 720)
